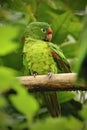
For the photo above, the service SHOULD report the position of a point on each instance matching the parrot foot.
(35, 74)
(50, 74)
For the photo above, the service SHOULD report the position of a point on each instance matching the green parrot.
(40, 56)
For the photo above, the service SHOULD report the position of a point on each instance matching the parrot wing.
(59, 58)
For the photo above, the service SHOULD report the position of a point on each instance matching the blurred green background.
(18, 108)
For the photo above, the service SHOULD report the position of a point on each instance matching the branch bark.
(58, 82)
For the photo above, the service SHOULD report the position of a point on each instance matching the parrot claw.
(35, 74)
(50, 74)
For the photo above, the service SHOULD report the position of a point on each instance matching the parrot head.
(39, 30)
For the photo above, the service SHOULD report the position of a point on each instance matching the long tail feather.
(52, 103)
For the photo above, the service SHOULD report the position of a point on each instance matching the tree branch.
(66, 81)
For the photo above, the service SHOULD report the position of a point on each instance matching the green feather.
(61, 60)
(42, 61)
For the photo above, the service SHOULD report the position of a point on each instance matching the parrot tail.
(52, 103)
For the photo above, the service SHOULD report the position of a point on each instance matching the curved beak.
(49, 35)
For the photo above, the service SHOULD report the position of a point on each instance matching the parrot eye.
(43, 30)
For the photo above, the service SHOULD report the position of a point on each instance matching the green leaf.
(13, 59)
(58, 124)
(46, 14)
(75, 27)
(24, 102)
(75, 5)
(2, 101)
(15, 5)
(83, 46)
(69, 49)
(65, 96)
(7, 39)
(55, 124)
(83, 112)
(60, 25)
(65, 24)
(31, 4)
(74, 124)
(6, 78)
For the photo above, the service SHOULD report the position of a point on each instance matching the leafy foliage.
(82, 66)
(18, 108)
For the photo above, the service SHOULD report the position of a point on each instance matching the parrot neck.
(29, 39)
(33, 36)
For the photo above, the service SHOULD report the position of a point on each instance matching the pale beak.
(49, 35)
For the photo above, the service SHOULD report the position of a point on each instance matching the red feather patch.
(54, 54)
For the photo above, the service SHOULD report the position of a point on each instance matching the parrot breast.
(39, 58)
